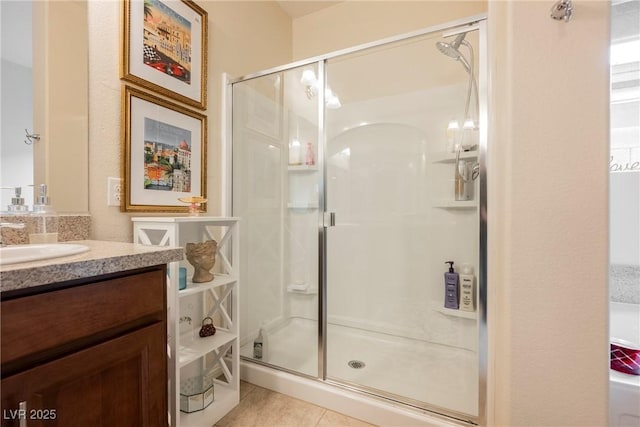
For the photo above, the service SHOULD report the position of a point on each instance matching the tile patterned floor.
(260, 407)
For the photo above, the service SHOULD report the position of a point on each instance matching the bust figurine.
(203, 257)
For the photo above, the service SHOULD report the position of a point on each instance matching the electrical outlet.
(114, 191)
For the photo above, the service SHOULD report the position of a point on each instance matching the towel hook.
(562, 10)
(31, 137)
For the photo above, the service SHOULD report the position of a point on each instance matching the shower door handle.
(329, 219)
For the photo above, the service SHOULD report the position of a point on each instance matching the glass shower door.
(390, 183)
(275, 192)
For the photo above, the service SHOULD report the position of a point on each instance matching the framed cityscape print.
(164, 48)
(163, 153)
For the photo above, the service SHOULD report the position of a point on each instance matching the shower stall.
(357, 176)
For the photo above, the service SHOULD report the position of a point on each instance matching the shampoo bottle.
(467, 289)
(309, 157)
(257, 346)
(451, 288)
(260, 345)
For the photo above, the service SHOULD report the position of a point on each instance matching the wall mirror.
(45, 91)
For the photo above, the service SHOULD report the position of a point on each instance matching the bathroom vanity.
(83, 338)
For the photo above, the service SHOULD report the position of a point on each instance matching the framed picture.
(165, 48)
(164, 153)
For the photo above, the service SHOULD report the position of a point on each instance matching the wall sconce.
(331, 100)
(310, 82)
(469, 124)
(469, 139)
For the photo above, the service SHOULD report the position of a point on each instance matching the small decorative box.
(625, 358)
(196, 393)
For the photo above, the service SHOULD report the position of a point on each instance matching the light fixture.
(310, 82)
(469, 125)
(469, 138)
(308, 78)
(331, 100)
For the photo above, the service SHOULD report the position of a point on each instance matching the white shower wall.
(393, 280)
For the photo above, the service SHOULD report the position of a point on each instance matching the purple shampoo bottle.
(451, 288)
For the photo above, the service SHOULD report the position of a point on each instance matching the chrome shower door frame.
(476, 22)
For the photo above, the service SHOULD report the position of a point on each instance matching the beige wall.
(548, 214)
(355, 22)
(243, 37)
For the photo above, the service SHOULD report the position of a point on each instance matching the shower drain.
(356, 364)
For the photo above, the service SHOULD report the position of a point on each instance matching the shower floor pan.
(417, 370)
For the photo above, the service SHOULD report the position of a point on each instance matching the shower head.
(451, 49)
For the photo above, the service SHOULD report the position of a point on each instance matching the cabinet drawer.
(37, 323)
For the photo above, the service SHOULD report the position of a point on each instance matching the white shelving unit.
(218, 299)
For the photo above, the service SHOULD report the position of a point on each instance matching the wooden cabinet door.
(121, 382)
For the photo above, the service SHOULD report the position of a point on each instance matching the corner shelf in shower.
(445, 157)
(473, 315)
(455, 204)
(310, 291)
(302, 168)
(219, 299)
(298, 205)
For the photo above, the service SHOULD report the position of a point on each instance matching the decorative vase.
(203, 257)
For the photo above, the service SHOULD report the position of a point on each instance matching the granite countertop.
(102, 258)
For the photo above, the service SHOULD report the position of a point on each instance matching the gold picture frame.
(164, 48)
(164, 153)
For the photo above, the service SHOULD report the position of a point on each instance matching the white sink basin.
(24, 253)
